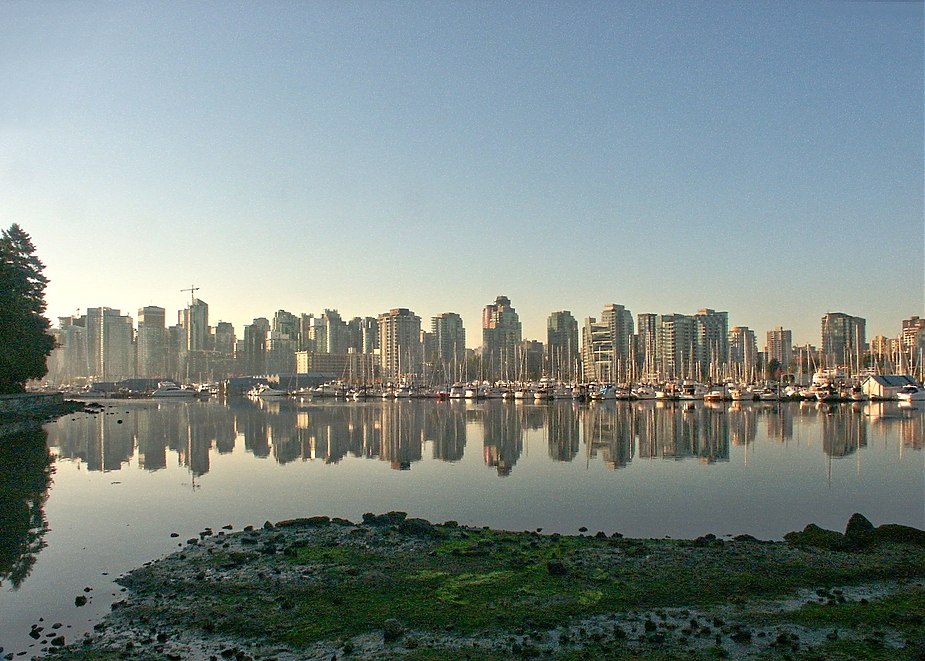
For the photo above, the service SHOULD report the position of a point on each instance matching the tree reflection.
(25, 475)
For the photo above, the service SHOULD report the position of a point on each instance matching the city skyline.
(103, 343)
(474, 336)
(766, 160)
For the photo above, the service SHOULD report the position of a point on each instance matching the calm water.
(121, 482)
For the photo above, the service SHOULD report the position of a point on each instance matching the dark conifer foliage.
(24, 339)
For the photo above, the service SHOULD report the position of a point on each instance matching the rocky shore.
(393, 587)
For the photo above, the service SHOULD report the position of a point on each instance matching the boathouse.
(885, 386)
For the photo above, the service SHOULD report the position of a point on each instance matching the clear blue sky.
(760, 158)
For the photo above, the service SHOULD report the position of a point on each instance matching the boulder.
(388, 519)
(305, 522)
(814, 536)
(420, 527)
(896, 533)
(556, 567)
(860, 531)
(392, 630)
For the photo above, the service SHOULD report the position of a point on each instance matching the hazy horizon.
(765, 160)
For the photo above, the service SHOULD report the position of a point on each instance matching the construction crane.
(192, 289)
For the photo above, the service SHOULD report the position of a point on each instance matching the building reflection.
(562, 424)
(844, 429)
(503, 434)
(686, 431)
(398, 432)
(609, 432)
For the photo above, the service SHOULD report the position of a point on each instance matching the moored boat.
(911, 393)
(172, 390)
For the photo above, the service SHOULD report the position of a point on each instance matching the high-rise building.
(224, 339)
(911, 330)
(355, 334)
(253, 357)
(286, 324)
(562, 345)
(110, 349)
(743, 353)
(280, 352)
(336, 335)
(151, 343)
(619, 321)
(194, 319)
(449, 345)
(501, 335)
(399, 343)
(370, 334)
(607, 345)
(677, 340)
(779, 347)
(68, 361)
(711, 347)
(843, 340)
(596, 351)
(533, 356)
(647, 325)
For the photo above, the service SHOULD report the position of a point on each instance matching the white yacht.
(692, 390)
(911, 393)
(172, 390)
(643, 391)
(264, 391)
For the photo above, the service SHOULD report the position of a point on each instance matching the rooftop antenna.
(192, 289)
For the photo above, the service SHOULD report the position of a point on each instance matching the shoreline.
(393, 587)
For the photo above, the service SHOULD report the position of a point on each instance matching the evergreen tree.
(24, 339)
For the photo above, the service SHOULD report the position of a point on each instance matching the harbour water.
(108, 492)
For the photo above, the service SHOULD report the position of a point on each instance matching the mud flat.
(393, 587)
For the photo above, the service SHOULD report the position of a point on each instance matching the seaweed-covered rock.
(387, 519)
(392, 630)
(420, 527)
(859, 531)
(814, 536)
(305, 522)
(556, 567)
(894, 532)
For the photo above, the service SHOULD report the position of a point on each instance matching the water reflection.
(399, 432)
(25, 475)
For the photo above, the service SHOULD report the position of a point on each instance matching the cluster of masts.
(826, 386)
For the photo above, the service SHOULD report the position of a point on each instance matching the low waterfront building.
(885, 386)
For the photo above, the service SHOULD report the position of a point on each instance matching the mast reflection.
(398, 432)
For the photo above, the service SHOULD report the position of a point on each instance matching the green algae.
(466, 584)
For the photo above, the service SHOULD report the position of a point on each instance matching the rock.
(420, 527)
(859, 532)
(267, 525)
(556, 567)
(814, 536)
(392, 630)
(893, 532)
(305, 522)
(390, 518)
(80, 600)
(58, 641)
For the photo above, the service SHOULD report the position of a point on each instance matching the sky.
(760, 158)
